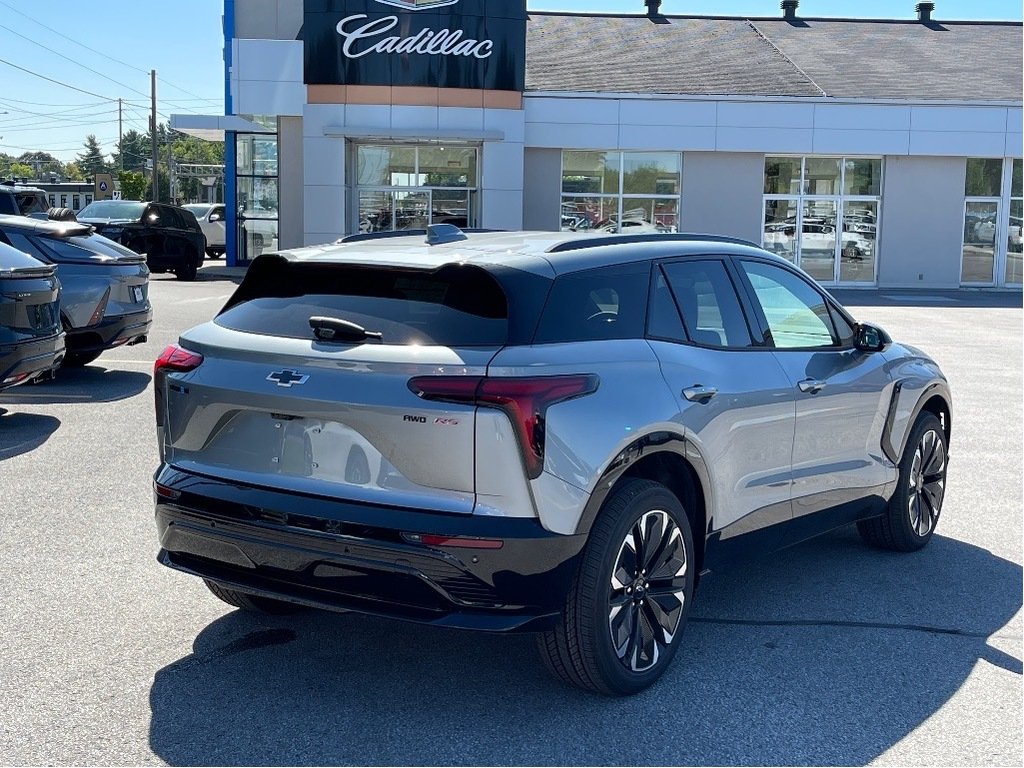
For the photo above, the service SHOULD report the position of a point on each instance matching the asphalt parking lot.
(830, 653)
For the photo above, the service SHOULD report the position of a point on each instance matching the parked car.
(23, 200)
(31, 340)
(524, 432)
(211, 220)
(169, 237)
(105, 297)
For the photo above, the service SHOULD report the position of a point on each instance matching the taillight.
(175, 358)
(524, 400)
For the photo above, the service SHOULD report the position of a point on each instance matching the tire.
(61, 214)
(248, 602)
(913, 511)
(79, 359)
(188, 273)
(581, 650)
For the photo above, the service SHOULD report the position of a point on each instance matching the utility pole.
(120, 134)
(152, 135)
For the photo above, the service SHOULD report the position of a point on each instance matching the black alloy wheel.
(627, 606)
(915, 506)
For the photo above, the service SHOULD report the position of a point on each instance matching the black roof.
(703, 56)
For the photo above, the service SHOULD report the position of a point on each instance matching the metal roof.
(814, 57)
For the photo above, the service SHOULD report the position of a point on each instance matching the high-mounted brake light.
(175, 358)
(524, 400)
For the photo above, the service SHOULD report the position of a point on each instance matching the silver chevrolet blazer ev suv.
(534, 432)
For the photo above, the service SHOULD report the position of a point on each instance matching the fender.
(644, 446)
(939, 388)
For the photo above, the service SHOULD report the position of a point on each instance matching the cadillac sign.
(433, 43)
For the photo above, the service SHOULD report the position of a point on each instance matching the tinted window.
(707, 299)
(79, 248)
(455, 306)
(113, 209)
(606, 303)
(797, 315)
(25, 245)
(664, 321)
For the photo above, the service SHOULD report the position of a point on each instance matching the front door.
(841, 396)
(735, 403)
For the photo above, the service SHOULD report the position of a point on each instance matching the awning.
(213, 127)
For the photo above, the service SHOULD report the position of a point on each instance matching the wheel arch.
(667, 458)
(934, 398)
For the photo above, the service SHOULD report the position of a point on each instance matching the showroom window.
(621, 191)
(257, 193)
(992, 222)
(821, 213)
(410, 187)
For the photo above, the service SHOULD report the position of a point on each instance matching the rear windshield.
(456, 306)
(31, 202)
(112, 209)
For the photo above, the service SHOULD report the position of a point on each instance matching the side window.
(707, 298)
(797, 315)
(605, 303)
(663, 320)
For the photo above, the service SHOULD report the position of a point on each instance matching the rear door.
(274, 406)
(734, 399)
(842, 394)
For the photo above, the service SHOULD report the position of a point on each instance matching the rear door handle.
(812, 387)
(698, 393)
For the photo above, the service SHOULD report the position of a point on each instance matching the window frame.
(840, 198)
(830, 304)
(620, 196)
(756, 342)
(1004, 203)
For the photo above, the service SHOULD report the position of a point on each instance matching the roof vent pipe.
(924, 11)
(789, 8)
(653, 8)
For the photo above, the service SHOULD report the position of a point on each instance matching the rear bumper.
(112, 332)
(343, 555)
(29, 359)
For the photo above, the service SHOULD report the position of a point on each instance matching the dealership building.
(871, 152)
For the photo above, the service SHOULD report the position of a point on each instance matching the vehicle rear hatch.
(29, 295)
(273, 405)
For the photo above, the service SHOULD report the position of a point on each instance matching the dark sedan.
(169, 237)
(31, 339)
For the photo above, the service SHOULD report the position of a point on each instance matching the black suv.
(170, 237)
(18, 200)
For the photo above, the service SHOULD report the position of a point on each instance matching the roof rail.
(595, 242)
(371, 236)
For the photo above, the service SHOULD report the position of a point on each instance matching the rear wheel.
(189, 271)
(248, 602)
(628, 603)
(913, 511)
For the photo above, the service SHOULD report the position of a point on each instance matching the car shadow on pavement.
(828, 654)
(951, 299)
(95, 383)
(23, 432)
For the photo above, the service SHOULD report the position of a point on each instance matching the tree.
(73, 173)
(42, 163)
(134, 150)
(133, 185)
(20, 171)
(92, 160)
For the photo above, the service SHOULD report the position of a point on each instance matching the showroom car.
(546, 433)
(31, 340)
(211, 220)
(105, 298)
(169, 237)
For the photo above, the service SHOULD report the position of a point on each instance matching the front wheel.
(628, 603)
(189, 271)
(913, 511)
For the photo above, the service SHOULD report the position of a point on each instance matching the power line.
(50, 104)
(106, 55)
(68, 58)
(56, 82)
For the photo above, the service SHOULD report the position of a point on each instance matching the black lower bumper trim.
(31, 358)
(112, 332)
(343, 555)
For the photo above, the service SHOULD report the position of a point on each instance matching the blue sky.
(182, 40)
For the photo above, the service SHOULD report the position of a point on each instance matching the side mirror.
(871, 338)
(215, 217)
